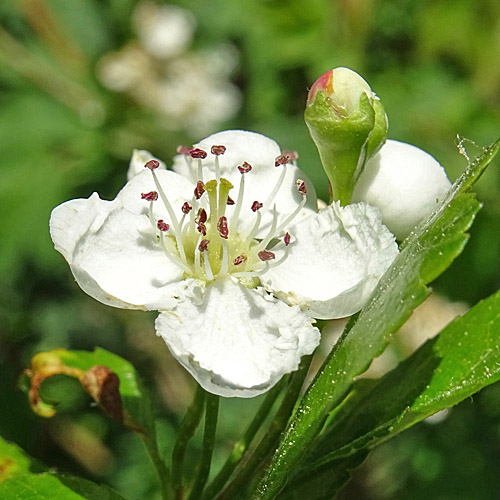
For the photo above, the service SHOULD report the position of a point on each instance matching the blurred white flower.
(231, 250)
(190, 89)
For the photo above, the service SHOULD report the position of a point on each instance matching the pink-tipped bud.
(256, 205)
(202, 247)
(198, 153)
(301, 187)
(152, 164)
(186, 208)
(246, 167)
(222, 227)
(286, 239)
(266, 255)
(151, 196)
(162, 225)
(218, 150)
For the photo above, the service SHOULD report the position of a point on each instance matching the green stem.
(160, 467)
(186, 432)
(270, 439)
(211, 413)
(241, 447)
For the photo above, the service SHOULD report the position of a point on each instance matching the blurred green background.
(79, 90)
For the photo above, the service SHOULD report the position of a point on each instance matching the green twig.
(241, 447)
(187, 429)
(211, 413)
(270, 439)
(159, 465)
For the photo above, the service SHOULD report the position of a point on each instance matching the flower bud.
(348, 124)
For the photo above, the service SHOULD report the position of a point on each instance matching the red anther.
(162, 225)
(229, 201)
(301, 187)
(266, 255)
(202, 228)
(201, 216)
(287, 239)
(218, 150)
(199, 190)
(222, 227)
(183, 150)
(186, 208)
(292, 155)
(151, 196)
(246, 167)
(282, 159)
(203, 245)
(152, 164)
(198, 153)
(256, 205)
(240, 259)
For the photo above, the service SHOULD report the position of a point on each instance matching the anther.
(202, 228)
(287, 239)
(162, 225)
(203, 245)
(199, 190)
(265, 255)
(301, 187)
(152, 164)
(201, 216)
(229, 201)
(256, 205)
(246, 167)
(282, 159)
(218, 150)
(292, 155)
(151, 196)
(186, 208)
(222, 227)
(240, 259)
(198, 153)
(183, 150)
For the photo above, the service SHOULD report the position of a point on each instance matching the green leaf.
(461, 360)
(14, 461)
(427, 252)
(50, 486)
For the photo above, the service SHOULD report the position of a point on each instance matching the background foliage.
(63, 135)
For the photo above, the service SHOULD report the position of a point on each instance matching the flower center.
(205, 241)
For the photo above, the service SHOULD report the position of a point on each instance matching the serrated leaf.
(461, 360)
(49, 486)
(14, 461)
(426, 253)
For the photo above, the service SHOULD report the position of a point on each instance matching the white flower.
(405, 183)
(231, 251)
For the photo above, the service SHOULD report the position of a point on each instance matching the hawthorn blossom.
(230, 249)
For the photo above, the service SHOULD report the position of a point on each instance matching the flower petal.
(405, 183)
(113, 250)
(260, 152)
(239, 341)
(334, 262)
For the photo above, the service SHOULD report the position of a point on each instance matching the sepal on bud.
(348, 124)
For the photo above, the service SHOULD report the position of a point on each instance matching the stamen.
(275, 190)
(286, 239)
(301, 187)
(239, 200)
(186, 208)
(272, 231)
(199, 190)
(240, 259)
(222, 227)
(202, 228)
(254, 229)
(208, 270)
(245, 168)
(224, 265)
(202, 247)
(152, 164)
(287, 221)
(253, 274)
(229, 201)
(170, 252)
(292, 155)
(162, 225)
(198, 153)
(151, 196)
(282, 159)
(218, 150)
(201, 216)
(266, 255)
(256, 205)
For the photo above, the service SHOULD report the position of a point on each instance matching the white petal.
(239, 342)
(261, 153)
(139, 158)
(113, 250)
(405, 183)
(335, 261)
